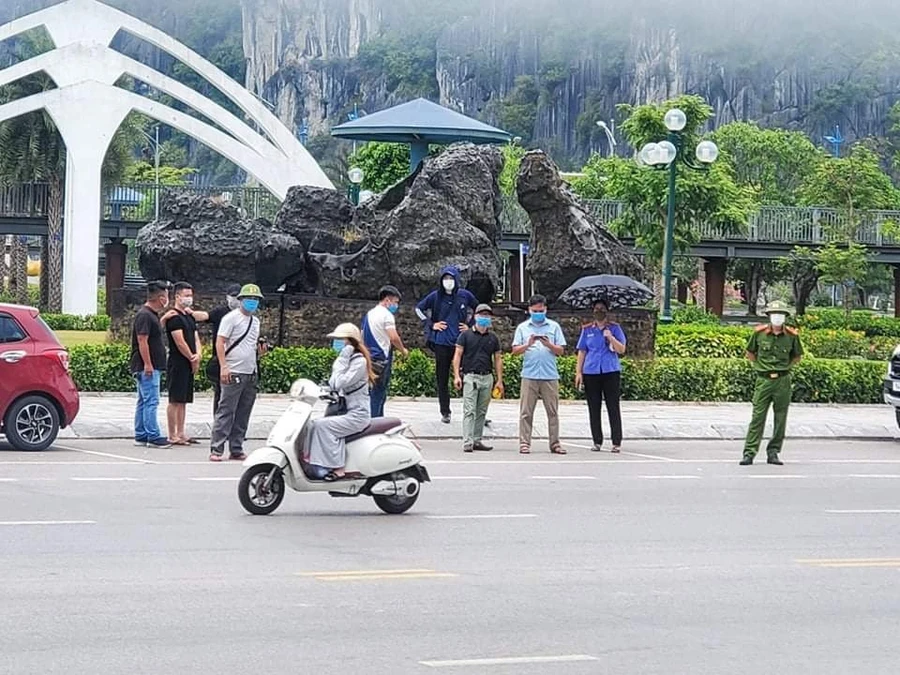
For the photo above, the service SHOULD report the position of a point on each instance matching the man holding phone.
(540, 342)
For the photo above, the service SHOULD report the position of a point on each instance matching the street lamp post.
(356, 176)
(663, 156)
(156, 151)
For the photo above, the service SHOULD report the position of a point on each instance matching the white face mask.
(187, 302)
(449, 285)
(777, 320)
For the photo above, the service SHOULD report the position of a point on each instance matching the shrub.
(836, 343)
(694, 314)
(862, 321)
(701, 341)
(105, 368)
(99, 322)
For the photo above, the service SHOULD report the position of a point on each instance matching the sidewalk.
(106, 416)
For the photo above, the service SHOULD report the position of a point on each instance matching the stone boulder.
(209, 243)
(567, 242)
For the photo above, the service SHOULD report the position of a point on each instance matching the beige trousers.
(531, 392)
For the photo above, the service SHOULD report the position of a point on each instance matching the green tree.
(712, 197)
(801, 268)
(752, 274)
(512, 158)
(517, 112)
(774, 163)
(145, 172)
(843, 265)
(383, 164)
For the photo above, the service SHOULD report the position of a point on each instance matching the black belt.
(773, 374)
(475, 372)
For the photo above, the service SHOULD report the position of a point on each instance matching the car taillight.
(62, 355)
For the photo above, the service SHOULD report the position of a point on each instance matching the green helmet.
(250, 291)
(777, 307)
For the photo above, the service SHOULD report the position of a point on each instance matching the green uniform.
(774, 354)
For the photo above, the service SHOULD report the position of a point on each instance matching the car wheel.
(32, 424)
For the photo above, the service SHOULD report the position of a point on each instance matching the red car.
(37, 395)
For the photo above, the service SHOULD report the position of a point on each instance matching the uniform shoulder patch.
(793, 332)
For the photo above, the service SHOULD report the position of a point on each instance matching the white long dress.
(350, 378)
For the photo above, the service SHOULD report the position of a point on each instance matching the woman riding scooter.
(351, 377)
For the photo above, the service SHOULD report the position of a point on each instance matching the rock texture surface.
(566, 241)
(445, 214)
(209, 243)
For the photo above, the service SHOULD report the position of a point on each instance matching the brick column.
(715, 285)
(116, 251)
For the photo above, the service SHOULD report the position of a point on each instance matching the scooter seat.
(378, 425)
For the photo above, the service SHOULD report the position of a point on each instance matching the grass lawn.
(75, 338)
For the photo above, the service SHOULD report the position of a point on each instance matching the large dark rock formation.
(207, 242)
(446, 213)
(566, 241)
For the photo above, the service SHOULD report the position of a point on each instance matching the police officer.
(773, 349)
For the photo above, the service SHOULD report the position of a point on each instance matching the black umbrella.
(617, 290)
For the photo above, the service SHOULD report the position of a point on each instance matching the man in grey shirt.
(237, 348)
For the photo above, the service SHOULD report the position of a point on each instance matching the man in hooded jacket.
(446, 312)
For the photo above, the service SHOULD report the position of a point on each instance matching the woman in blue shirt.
(599, 373)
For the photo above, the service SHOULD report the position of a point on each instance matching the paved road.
(668, 559)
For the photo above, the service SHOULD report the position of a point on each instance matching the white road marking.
(108, 454)
(106, 480)
(47, 522)
(563, 478)
(9, 480)
(510, 661)
(861, 511)
(484, 516)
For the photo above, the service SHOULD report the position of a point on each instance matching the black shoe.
(774, 460)
(482, 447)
(747, 461)
(445, 419)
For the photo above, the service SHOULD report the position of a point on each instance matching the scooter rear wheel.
(254, 496)
(396, 504)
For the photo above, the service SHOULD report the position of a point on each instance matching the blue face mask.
(393, 308)
(338, 345)
(483, 321)
(538, 317)
(250, 304)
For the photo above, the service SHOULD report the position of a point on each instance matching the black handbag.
(339, 407)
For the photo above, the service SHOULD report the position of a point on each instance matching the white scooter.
(381, 461)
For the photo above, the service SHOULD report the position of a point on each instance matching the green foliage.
(851, 184)
(698, 341)
(99, 322)
(145, 172)
(687, 314)
(512, 158)
(862, 321)
(842, 265)
(774, 163)
(517, 112)
(105, 368)
(383, 164)
(837, 344)
(407, 63)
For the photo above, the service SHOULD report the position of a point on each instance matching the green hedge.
(727, 342)
(105, 368)
(862, 321)
(98, 323)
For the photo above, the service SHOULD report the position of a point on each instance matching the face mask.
(187, 302)
(449, 285)
(538, 317)
(483, 321)
(338, 345)
(777, 320)
(250, 304)
(393, 308)
(233, 303)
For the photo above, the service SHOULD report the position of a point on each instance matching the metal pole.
(670, 240)
(157, 172)
(521, 273)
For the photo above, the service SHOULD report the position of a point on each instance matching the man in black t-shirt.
(477, 354)
(184, 362)
(148, 360)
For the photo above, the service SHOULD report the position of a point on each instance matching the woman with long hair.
(599, 371)
(351, 377)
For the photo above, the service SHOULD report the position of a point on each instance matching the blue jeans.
(146, 426)
(379, 393)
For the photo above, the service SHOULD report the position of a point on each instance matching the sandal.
(332, 477)
(524, 450)
(557, 450)
(616, 450)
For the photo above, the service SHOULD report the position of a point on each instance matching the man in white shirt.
(380, 336)
(237, 348)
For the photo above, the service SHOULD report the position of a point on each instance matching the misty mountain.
(545, 69)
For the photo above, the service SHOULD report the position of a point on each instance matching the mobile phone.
(236, 379)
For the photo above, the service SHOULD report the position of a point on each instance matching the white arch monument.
(88, 109)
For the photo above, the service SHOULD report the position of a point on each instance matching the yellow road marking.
(852, 562)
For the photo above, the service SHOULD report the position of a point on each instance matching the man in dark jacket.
(445, 313)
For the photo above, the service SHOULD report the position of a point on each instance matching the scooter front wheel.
(258, 494)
